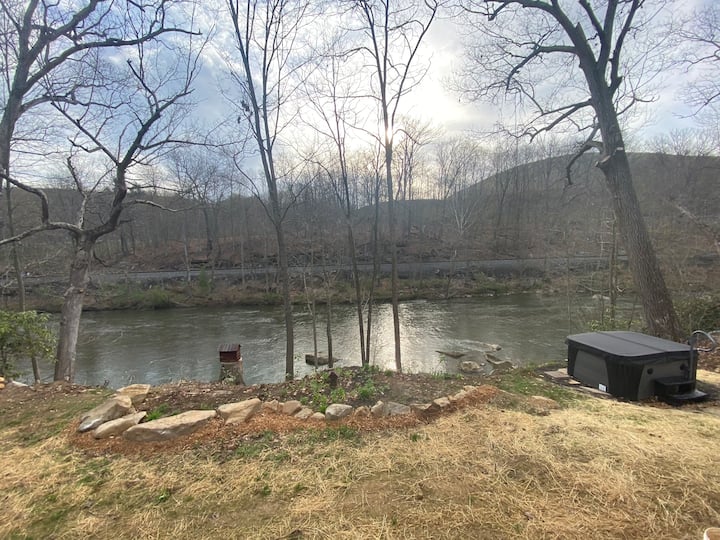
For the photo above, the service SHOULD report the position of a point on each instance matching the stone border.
(118, 416)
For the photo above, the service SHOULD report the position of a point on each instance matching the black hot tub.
(632, 366)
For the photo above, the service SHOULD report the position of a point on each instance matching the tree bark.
(659, 312)
(283, 270)
(393, 252)
(72, 310)
(358, 292)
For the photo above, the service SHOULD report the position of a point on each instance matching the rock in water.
(468, 366)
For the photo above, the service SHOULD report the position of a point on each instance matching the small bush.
(337, 395)
(367, 390)
(699, 313)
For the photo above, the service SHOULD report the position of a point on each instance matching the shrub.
(23, 334)
(699, 313)
(337, 395)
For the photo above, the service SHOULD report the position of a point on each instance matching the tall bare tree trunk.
(659, 312)
(72, 310)
(15, 248)
(393, 256)
(284, 271)
(364, 360)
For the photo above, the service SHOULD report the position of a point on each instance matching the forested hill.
(525, 211)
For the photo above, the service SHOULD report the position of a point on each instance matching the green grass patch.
(158, 412)
(525, 381)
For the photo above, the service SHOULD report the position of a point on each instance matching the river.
(122, 347)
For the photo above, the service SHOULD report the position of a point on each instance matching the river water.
(123, 347)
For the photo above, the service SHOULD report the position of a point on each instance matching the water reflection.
(156, 347)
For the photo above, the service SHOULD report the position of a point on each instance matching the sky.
(433, 100)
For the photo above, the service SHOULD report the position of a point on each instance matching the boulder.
(469, 366)
(317, 416)
(489, 346)
(290, 407)
(442, 402)
(113, 408)
(362, 412)
(458, 396)
(304, 413)
(272, 406)
(136, 392)
(239, 412)
(170, 427)
(425, 408)
(397, 408)
(336, 411)
(379, 409)
(118, 426)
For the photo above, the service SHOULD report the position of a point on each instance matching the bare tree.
(702, 34)
(600, 56)
(267, 38)
(200, 177)
(123, 115)
(415, 135)
(333, 96)
(393, 33)
(461, 167)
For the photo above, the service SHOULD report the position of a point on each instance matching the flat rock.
(290, 407)
(118, 426)
(500, 365)
(136, 392)
(115, 407)
(558, 374)
(397, 408)
(170, 427)
(442, 402)
(336, 411)
(452, 354)
(239, 412)
(304, 413)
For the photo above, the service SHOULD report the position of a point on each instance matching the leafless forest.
(178, 134)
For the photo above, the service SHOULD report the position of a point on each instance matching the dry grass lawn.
(596, 468)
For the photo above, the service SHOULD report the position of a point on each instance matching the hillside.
(523, 212)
